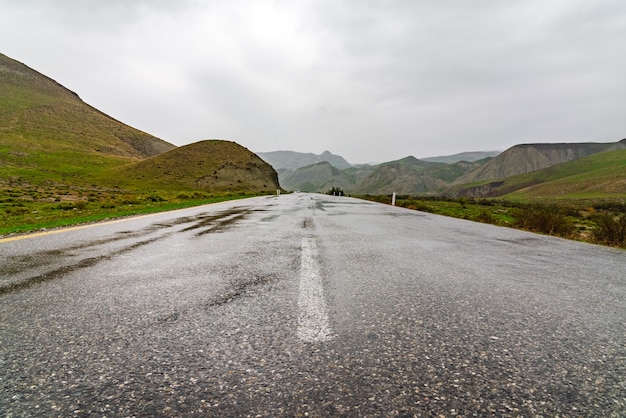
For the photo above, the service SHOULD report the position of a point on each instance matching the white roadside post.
(278, 192)
(393, 199)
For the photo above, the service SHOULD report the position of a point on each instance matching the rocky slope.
(526, 158)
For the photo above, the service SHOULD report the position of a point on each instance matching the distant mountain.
(213, 165)
(450, 172)
(526, 158)
(318, 177)
(407, 175)
(600, 174)
(464, 156)
(618, 145)
(51, 139)
(291, 160)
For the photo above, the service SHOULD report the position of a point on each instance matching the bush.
(415, 205)
(155, 198)
(611, 206)
(78, 205)
(547, 220)
(485, 217)
(610, 230)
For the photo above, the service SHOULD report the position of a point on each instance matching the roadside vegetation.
(27, 209)
(597, 221)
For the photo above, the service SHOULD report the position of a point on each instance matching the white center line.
(313, 323)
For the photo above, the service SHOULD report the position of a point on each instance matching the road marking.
(313, 323)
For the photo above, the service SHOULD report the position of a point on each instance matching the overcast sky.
(369, 80)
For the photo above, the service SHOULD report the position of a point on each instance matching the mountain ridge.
(410, 175)
(469, 156)
(525, 158)
(48, 135)
(292, 160)
(598, 174)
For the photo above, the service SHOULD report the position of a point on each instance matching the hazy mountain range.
(467, 174)
(50, 138)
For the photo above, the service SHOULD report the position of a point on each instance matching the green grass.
(21, 213)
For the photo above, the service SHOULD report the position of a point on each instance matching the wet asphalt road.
(309, 305)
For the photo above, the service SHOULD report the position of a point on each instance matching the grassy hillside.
(317, 177)
(407, 175)
(450, 172)
(214, 165)
(63, 161)
(525, 158)
(601, 175)
(49, 135)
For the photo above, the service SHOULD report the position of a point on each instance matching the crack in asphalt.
(241, 289)
(238, 289)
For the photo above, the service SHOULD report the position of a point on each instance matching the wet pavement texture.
(197, 313)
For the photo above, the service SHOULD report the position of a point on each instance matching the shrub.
(78, 205)
(610, 230)
(544, 219)
(16, 210)
(415, 205)
(155, 198)
(485, 217)
(128, 200)
(611, 206)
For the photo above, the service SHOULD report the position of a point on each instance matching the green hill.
(48, 134)
(319, 177)
(407, 175)
(601, 174)
(63, 161)
(214, 166)
(50, 138)
(525, 158)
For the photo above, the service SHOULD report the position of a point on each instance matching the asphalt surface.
(309, 305)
